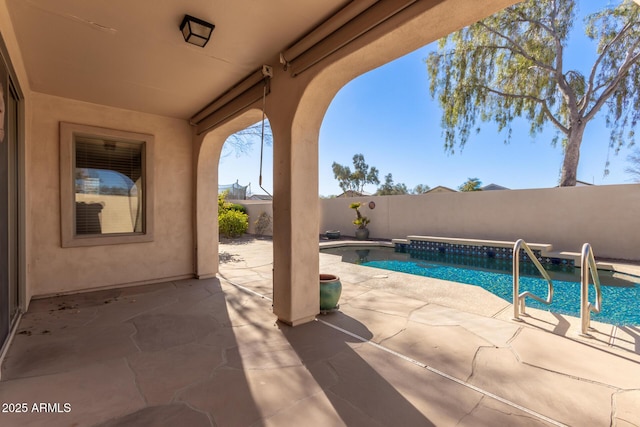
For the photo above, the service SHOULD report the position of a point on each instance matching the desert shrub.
(263, 223)
(232, 223)
(223, 205)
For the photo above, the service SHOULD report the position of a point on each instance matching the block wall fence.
(607, 217)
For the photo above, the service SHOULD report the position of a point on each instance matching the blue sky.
(388, 115)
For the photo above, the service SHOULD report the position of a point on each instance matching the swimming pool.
(620, 294)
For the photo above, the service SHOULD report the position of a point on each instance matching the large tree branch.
(536, 22)
(613, 85)
(515, 47)
(539, 101)
(591, 89)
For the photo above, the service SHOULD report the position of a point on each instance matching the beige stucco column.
(207, 157)
(296, 295)
(295, 116)
(295, 206)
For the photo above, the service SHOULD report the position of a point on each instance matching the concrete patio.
(401, 351)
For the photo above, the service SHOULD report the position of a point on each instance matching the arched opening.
(208, 152)
(246, 163)
(245, 176)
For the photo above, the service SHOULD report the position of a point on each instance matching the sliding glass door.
(9, 203)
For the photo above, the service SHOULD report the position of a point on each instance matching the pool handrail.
(588, 264)
(518, 299)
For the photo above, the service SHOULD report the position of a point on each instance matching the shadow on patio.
(210, 352)
(161, 354)
(194, 353)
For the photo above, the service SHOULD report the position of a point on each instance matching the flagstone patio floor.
(400, 351)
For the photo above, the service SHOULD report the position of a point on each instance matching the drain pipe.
(266, 71)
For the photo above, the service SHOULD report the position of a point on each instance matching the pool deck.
(401, 350)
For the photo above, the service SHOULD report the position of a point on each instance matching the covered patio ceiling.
(132, 55)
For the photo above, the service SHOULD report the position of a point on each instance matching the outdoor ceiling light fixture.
(196, 31)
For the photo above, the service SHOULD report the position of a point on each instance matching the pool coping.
(606, 265)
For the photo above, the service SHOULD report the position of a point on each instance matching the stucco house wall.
(52, 268)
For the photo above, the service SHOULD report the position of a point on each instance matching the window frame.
(68, 134)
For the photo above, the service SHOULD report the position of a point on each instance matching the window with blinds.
(108, 186)
(106, 179)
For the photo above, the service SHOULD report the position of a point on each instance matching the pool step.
(575, 256)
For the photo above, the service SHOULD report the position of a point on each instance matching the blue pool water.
(620, 297)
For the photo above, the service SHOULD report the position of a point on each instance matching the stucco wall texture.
(52, 268)
(604, 216)
(607, 217)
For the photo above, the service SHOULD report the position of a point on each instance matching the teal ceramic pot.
(330, 290)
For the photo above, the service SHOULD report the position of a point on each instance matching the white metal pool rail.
(518, 299)
(588, 264)
(588, 267)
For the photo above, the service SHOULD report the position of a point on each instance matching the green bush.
(232, 223)
(236, 207)
(222, 201)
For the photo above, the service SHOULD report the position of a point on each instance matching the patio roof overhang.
(138, 60)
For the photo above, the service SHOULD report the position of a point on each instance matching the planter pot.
(330, 290)
(332, 234)
(362, 233)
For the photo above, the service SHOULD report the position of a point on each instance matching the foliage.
(634, 169)
(237, 207)
(391, 189)
(512, 65)
(222, 203)
(356, 180)
(420, 189)
(361, 221)
(263, 223)
(232, 223)
(471, 184)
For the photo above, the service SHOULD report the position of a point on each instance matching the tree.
(391, 189)
(634, 169)
(356, 180)
(512, 64)
(241, 142)
(471, 184)
(420, 189)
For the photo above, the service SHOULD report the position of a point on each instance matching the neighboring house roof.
(440, 189)
(581, 184)
(351, 193)
(260, 197)
(492, 186)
